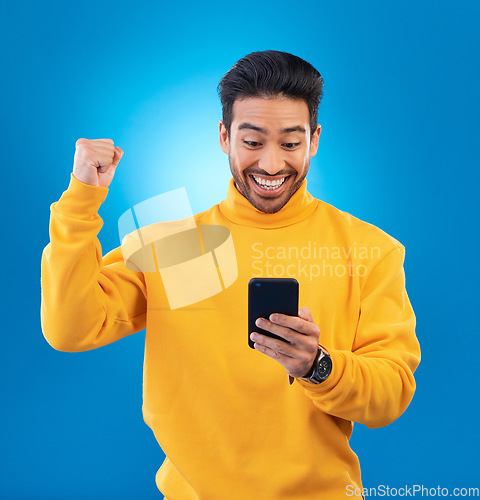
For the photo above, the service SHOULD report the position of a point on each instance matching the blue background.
(399, 149)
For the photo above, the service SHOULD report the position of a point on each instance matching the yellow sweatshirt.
(225, 415)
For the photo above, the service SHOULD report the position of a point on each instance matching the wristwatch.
(322, 367)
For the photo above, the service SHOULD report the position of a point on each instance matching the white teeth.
(267, 183)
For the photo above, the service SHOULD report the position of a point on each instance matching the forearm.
(365, 389)
(373, 382)
(86, 302)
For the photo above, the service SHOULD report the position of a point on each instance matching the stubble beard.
(243, 188)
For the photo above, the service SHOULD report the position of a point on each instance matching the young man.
(230, 423)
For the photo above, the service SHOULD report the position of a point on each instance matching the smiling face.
(269, 149)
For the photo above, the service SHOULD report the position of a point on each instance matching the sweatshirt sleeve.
(373, 383)
(86, 301)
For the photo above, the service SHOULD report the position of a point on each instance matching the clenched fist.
(95, 161)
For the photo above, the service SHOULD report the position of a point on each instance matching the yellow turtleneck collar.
(240, 211)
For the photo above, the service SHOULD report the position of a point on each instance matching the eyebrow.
(250, 126)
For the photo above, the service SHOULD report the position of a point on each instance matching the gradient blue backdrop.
(399, 149)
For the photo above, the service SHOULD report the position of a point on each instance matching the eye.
(252, 144)
(291, 145)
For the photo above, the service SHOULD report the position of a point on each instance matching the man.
(230, 423)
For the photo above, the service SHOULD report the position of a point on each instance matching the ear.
(314, 141)
(224, 139)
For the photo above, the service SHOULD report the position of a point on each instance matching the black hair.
(271, 73)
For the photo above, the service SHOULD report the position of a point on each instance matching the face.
(269, 149)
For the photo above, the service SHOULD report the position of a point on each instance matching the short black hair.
(271, 73)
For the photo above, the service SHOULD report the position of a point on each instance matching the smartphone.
(267, 296)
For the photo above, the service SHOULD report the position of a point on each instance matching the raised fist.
(95, 161)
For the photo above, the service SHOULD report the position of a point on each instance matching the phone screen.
(267, 296)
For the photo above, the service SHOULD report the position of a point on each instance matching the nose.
(271, 160)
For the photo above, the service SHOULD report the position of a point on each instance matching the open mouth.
(271, 185)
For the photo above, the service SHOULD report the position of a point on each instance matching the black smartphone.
(267, 296)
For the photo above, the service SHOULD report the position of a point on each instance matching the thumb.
(304, 313)
(117, 156)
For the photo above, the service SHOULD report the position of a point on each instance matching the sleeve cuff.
(338, 363)
(80, 200)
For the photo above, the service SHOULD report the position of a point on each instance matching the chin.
(268, 206)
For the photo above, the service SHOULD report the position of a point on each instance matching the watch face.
(324, 368)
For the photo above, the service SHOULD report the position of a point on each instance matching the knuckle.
(314, 333)
(278, 345)
(313, 344)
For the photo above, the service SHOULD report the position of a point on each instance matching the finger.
(110, 141)
(117, 156)
(111, 162)
(293, 322)
(102, 145)
(284, 332)
(306, 314)
(297, 343)
(272, 353)
(272, 347)
(297, 363)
